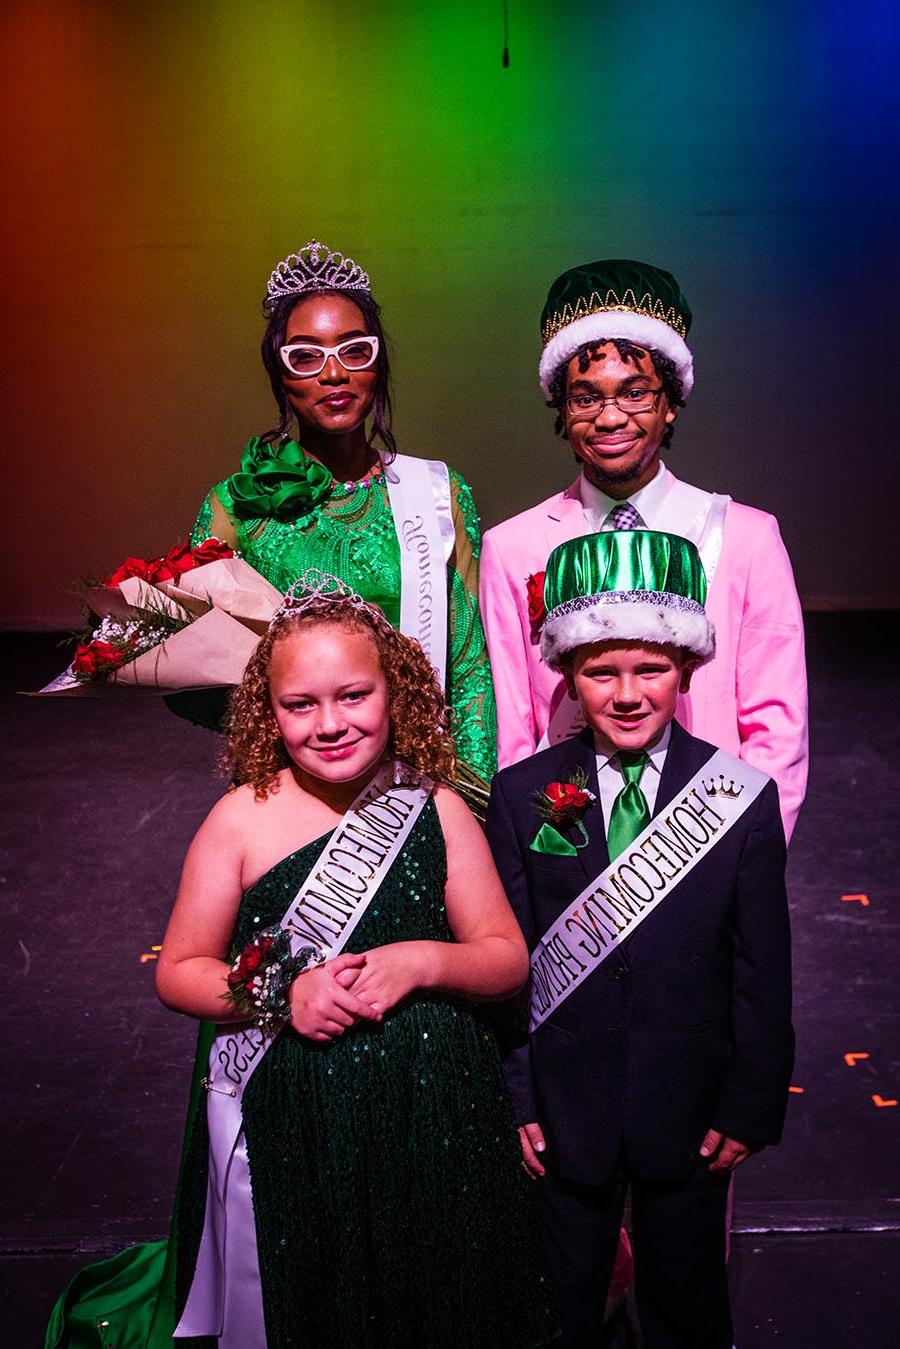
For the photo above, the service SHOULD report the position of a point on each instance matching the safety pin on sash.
(207, 1085)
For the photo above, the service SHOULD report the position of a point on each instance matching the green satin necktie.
(630, 812)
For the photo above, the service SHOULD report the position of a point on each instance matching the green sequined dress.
(352, 535)
(391, 1208)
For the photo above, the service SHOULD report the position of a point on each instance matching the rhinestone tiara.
(315, 267)
(315, 588)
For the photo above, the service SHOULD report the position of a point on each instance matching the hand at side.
(726, 1153)
(532, 1139)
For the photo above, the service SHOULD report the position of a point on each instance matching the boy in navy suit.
(646, 869)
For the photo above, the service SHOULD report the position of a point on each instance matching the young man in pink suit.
(616, 367)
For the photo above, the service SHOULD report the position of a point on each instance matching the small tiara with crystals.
(315, 267)
(315, 589)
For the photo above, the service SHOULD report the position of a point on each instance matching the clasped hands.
(327, 999)
(726, 1153)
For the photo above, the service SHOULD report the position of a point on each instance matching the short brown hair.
(420, 733)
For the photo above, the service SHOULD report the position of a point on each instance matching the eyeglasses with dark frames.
(584, 405)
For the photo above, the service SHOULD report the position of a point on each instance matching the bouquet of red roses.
(187, 620)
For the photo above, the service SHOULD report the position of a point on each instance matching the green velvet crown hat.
(616, 298)
(631, 585)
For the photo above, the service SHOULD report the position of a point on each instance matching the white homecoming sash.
(695, 515)
(609, 909)
(225, 1297)
(419, 493)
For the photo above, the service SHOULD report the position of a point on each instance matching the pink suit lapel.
(565, 517)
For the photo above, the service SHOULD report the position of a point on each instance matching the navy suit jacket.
(687, 1025)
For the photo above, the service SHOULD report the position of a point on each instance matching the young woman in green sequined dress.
(326, 504)
(391, 1210)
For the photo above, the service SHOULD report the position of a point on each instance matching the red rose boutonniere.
(534, 588)
(566, 801)
(562, 803)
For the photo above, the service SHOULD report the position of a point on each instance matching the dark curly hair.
(419, 735)
(273, 340)
(665, 369)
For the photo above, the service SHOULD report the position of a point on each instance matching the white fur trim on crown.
(638, 328)
(659, 623)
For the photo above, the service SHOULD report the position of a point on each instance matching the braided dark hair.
(273, 340)
(665, 369)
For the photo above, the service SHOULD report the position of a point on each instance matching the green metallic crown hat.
(616, 298)
(627, 585)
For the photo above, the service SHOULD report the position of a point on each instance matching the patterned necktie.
(623, 516)
(630, 811)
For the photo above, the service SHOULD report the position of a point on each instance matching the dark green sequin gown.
(391, 1208)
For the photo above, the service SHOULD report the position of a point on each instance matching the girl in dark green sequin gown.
(391, 1206)
(391, 1209)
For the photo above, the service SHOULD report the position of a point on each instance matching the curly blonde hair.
(420, 730)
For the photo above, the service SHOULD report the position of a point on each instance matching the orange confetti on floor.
(880, 1101)
(858, 899)
(852, 1059)
(798, 1091)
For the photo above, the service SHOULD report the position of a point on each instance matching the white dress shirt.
(611, 781)
(646, 500)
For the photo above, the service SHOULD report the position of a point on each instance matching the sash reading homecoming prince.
(610, 909)
(225, 1297)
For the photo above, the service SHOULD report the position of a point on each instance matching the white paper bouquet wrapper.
(227, 607)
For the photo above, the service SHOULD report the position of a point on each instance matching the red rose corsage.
(259, 982)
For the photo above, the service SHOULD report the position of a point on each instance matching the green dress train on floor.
(391, 1208)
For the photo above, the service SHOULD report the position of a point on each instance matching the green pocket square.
(549, 840)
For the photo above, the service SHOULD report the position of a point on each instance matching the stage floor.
(103, 796)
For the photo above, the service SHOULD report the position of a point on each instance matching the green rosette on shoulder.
(277, 482)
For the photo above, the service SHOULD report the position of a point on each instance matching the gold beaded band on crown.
(612, 303)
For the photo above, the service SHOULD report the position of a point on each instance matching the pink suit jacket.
(749, 700)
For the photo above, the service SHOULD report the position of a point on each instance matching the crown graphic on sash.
(712, 788)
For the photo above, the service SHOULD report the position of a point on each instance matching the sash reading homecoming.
(613, 905)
